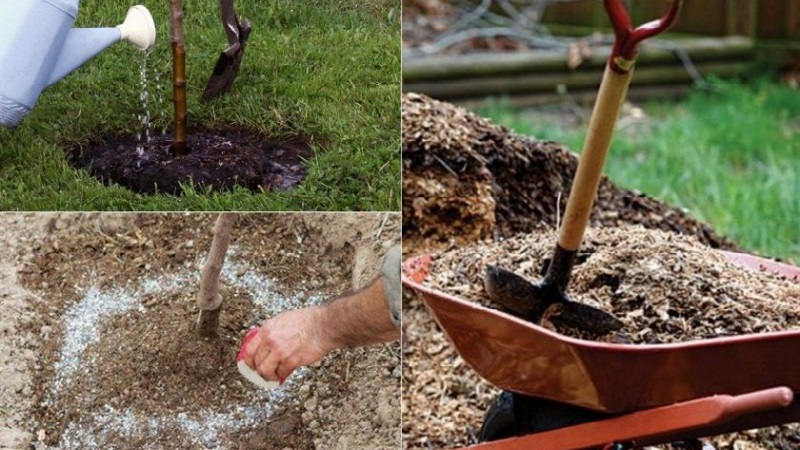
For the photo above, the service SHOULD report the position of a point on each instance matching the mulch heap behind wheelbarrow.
(467, 180)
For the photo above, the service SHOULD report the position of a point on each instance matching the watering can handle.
(628, 38)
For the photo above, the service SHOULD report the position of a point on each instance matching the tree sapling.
(178, 78)
(210, 300)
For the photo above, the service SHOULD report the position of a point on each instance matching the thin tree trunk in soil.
(210, 300)
(178, 79)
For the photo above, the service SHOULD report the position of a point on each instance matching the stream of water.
(149, 88)
(144, 114)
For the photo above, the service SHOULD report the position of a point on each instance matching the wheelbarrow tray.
(522, 357)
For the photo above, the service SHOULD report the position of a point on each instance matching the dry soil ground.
(97, 349)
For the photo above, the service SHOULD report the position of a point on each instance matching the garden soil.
(216, 161)
(467, 181)
(108, 358)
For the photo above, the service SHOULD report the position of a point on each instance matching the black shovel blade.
(529, 301)
(515, 293)
(587, 318)
(227, 67)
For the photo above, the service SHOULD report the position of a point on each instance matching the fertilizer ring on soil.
(216, 162)
(128, 361)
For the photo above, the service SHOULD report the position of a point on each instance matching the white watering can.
(39, 47)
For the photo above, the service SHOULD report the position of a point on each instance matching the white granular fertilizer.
(80, 327)
(265, 297)
(167, 283)
(81, 323)
(202, 428)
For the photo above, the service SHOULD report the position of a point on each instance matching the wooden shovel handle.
(612, 92)
(610, 97)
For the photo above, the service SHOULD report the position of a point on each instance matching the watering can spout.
(83, 44)
(39, 47)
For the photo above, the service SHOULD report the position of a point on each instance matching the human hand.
(287, 341)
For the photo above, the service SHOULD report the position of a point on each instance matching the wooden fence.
(764, 19)
(537, 77)
(723, 37)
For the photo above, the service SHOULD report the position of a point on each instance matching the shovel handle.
(612, 92)
(613, 89)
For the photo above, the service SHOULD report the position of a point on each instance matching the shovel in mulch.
(227, 67)
(548, 298)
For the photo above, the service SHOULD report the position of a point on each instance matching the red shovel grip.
(628, 38)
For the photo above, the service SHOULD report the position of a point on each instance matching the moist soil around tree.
(117, 363)
(216, 161)
(469, 182)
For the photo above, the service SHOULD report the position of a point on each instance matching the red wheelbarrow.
(566, 393)
(621, 395)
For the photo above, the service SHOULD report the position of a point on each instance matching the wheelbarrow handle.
(627, 38)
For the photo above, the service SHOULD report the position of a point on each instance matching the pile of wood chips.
(467, 180)
(664, 287)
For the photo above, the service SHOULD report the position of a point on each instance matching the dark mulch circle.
(216, 161)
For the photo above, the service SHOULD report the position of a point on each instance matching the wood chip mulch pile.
(664, 287)
(467, 180)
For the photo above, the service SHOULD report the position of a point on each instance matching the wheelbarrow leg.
(513, 415)
(227, 67)
(499, 421)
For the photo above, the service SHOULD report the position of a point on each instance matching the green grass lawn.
(730, 157)
(328, 69)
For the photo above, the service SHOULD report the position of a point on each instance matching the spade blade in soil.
(227, 67)
(529, 301)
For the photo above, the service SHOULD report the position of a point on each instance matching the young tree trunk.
(210, 300)
(178, 78)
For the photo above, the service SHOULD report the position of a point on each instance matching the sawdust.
(142, 380)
